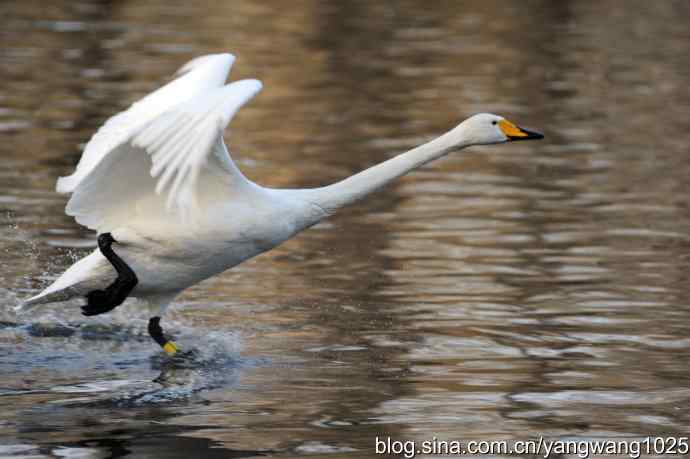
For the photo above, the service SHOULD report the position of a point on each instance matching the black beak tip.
(531, 135)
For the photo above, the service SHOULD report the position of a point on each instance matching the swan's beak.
(514, 132)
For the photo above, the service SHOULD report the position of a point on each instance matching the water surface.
(501, 293)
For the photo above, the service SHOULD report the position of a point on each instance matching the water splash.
(68, 348)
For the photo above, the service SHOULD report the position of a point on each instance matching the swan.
(171, 208)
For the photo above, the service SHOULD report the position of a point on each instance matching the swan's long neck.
(333, 197)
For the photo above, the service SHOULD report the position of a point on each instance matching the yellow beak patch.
(511, 130)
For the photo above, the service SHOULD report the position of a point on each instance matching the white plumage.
(159, 178)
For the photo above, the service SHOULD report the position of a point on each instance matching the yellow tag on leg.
(170, 348)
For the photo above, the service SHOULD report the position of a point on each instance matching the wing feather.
(197, 125)
(158, 167)
(195, 77)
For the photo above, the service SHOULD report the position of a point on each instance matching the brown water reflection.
(507, 292)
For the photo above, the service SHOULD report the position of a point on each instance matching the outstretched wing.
(164, 169)
(197, 76)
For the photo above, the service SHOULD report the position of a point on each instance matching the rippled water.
(505, 292)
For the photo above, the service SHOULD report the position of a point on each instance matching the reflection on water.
(505, 292)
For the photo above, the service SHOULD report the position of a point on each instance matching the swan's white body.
(158, 176)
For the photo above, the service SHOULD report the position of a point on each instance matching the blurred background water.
(501, 293)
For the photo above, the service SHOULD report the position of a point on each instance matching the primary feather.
(165, 156)
(198, 75)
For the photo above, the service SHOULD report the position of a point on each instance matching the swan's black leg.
(101, 301)
(156, 333)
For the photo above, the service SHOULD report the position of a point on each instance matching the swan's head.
(486, 129)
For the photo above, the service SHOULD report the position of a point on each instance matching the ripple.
(603, 397)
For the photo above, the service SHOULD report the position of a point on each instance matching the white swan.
(158, 184)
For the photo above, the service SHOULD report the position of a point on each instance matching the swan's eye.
(494, 122)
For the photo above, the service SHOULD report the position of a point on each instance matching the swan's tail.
(90, 273)
(45, 297)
